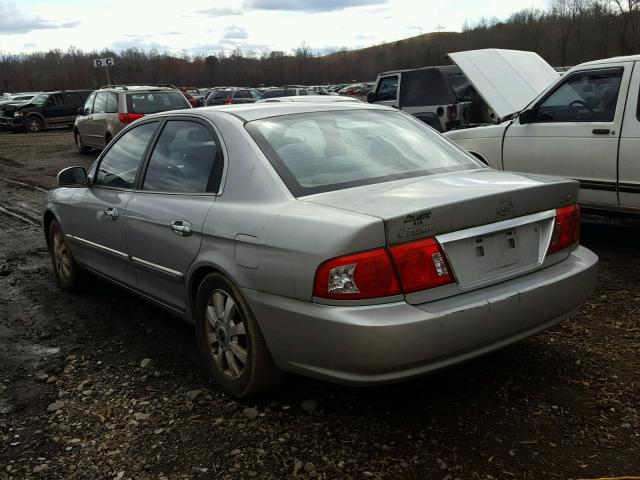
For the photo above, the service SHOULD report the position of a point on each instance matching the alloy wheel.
(61, 260)
(226, 334)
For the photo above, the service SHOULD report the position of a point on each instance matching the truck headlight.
(18, 114)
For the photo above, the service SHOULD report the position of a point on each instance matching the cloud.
(219, 11)
(15, 20)
(234, 32)
(309, 5)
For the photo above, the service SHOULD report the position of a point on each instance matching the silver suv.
(110, 109)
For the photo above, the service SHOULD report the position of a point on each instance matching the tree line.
(566, 33)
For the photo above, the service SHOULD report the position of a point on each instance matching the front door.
(54, 109)
(179, 187)
(629, 186)
(575, 132)
(96, 228)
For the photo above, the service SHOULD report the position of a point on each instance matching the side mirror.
(73, 177)
(80, 110)
(372, 97)
(528, 116)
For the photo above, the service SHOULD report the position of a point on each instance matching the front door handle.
(181, 227)
(601, 131)
(111, 212)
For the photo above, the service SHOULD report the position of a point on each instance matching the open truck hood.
(507, 80)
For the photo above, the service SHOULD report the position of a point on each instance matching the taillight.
(129, 117)
(404, 268)
(452, 112)
(362, 275)
(228, 101)
(421, 265)
(566, 230)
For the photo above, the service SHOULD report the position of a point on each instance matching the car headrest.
(199, 135)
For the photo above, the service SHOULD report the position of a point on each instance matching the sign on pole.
(106, 63)
(103, 62)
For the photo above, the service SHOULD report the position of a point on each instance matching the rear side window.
(112, 103)
(427, 87)
(153, 102)
(119, 166)
(71, 99)
(186, 159)
(100, 104)
(241, 94)
(387, 88)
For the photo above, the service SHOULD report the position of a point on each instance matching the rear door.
(179, 187)
(575, 132)
(387, 90)
(96, 214)
(629, 160)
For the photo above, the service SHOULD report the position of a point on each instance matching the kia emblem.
(505, 208)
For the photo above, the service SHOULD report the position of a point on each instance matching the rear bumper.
(368, 345)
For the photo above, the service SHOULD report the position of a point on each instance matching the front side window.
(255, 94)
(387, 88)
(186, 159)
(54, 101)
(88, 105)
(241, 94)
(583, 97)
(120, 164)
(325, 151)
(101, 103)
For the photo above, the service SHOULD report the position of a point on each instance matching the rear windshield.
(152, 102)
(323, 151)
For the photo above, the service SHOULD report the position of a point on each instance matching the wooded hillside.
(569, 32)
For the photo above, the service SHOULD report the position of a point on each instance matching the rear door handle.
(601, 131)
(181, 227)
(111, 212)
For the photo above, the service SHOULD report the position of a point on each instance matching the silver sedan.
(348, 242)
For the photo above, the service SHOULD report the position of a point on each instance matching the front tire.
(82, 148)
(34, 125)
(231, 344)
(68, 274)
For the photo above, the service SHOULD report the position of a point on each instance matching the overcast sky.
(200, 26)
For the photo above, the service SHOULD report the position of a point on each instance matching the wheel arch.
(195, 279)
(47, 218)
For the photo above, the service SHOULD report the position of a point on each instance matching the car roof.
(604, 61)
(257, 111)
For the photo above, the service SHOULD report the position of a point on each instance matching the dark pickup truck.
(50, 109)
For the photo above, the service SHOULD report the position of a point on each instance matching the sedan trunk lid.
(492, 225)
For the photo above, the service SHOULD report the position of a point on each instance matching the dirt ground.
(75, 402)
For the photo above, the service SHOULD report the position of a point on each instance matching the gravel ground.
(104, 386)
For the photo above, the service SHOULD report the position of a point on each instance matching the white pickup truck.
(584, 125)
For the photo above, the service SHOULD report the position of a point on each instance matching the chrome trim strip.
(172, 273)
(97, 246)
(494, 227)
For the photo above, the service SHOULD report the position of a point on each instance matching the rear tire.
(68, 274)
(34, 125)
(231, 344)
(82, 148)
